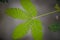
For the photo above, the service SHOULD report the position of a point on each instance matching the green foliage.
(23, 28)
(57, 7)
(17, 13)
(29, 7)
(55, 27)
(37, 30)
(35, 24)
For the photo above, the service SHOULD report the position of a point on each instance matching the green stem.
(44, 14)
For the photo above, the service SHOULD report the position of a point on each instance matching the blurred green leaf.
(16, 13)
(29, 7)
(57, 7)
(21, 30)
(37, 30)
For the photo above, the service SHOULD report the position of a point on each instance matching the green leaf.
(16, 13)
(54, 27)
(57, 7)
(21, 30)
(37, 30)
(29, 7)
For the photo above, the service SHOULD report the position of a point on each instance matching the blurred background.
(7, 24)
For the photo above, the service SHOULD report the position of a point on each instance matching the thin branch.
(44, 14)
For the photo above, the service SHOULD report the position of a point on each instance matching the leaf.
(29, 7)
(37, 30)
(57, 7)
(21, 30)
(16, 13)
(55, 27)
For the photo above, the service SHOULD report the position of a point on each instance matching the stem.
(44, 14)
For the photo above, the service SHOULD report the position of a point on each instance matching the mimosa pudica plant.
(31, 22)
